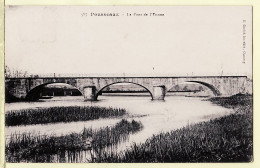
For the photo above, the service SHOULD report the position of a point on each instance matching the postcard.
(128, 84)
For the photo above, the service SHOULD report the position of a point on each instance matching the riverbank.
(60, 114)
(226, 139)
(28, 147)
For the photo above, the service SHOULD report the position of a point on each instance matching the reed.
(226, 139)
(42, 148)
(233, 101)
(60, 114)
(111, 135)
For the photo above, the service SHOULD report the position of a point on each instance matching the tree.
(8, 73)
(177, 88)
(14, 73)
(201, 88)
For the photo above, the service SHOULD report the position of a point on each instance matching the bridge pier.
(89, 93)
(158, 92)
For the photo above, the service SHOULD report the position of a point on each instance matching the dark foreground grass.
(239, 100)
(32, 148)
(226, 139)
(109, 136)
(60, 114)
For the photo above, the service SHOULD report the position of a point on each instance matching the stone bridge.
(91, 87)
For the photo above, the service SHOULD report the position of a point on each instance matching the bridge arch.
(100, 90)
(33, 93)
(214, 90)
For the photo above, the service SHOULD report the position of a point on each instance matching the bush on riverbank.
(42, 148)
(226, 139)
(60, 114)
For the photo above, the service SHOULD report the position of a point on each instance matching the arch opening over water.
(214, 90)
(211, 87)
(99, 92)
(50, 90)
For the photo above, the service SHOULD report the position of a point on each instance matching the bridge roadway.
(91, 87)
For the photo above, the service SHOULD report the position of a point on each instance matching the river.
(156, 116)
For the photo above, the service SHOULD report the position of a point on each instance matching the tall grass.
(226, 139)
(235, 101)
(42, 148)
(108, 136)
(60, 114)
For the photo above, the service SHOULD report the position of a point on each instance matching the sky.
(186, 40)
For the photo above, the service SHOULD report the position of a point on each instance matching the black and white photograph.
(128, 84)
